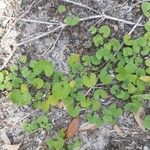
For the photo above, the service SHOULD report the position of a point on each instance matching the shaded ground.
(75, 39)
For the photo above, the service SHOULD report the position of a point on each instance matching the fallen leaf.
(12, 147)
(139, 117)
(72, 127)
(87, 126)
(118, 130)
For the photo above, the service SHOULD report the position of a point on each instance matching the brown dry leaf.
(87, 126)
(139, 117)
(12, 147)
(118, 130)
(72, 127)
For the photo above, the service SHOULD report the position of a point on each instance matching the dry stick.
(8, 31)
(56, 41)
(40, 36)
(32, 21)
(81, 5)
(134, 5)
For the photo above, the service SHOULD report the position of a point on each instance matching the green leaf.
(98, 40)
(86, 103)
(115, 44)
(105, 31)
(38, 83)
(127, 51)
(61, 9)
(142, 96)
(99, 54)
(73, 59)
(25, 72)
(43, 66)
(146, 8)
(95, 105)
(72, 21)
(1, 77)
(61, 90)
(147, 62)
(23, 59)
(105, 77)
(24, 88)
(131, 88)
(20, 98)
(93, 30)
(147, 122)
(73, 111)
(127, 40)
(89, 81)
(147, 26)
(145, 78)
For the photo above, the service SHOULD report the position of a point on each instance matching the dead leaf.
(87, 126)
(72, 127)
(139, 117)
(118, 130)
(12, 147)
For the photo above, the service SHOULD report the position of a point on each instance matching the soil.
(76, 39)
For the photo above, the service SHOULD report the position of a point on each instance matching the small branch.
(135, 25)
(81, 5)
(56, 40)
(32, 21)
(134, 5)
(40, 36)
(110, 18)
(88, 91)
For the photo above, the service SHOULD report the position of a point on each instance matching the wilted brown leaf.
(12, 147)
(72, 127)
(139, 118)
(87, 126)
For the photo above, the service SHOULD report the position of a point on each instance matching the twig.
(8, 31)
(32, 21)
(110, 18)
(134, 5)
(135, 25)
(81, 5)
(56, 41)
(40, 36)
(88, 91)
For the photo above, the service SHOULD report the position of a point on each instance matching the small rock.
(145, 148)
(1, 32)
(2, 5)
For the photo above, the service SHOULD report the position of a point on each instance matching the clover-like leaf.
(73, 59)
(1, 77)
(89, 81)
(38, 83)
(115, 44)
(98, 40)
(147, 122)
(105, 31)
(20, 98)
(147, 26)
(25, 72)
(145, 78)
(128, 40)
(61, 9)
(43, 66)
(72, 21)
(127, 51)
(146, 8)
(93, 30)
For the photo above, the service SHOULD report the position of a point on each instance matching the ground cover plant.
(118, 69)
